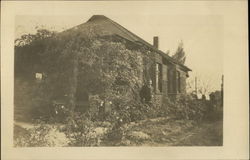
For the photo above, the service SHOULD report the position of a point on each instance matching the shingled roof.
(104, 26)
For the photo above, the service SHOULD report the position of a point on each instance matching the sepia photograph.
(114, 77)
(100, 84)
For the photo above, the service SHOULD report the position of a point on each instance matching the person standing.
(146, 92)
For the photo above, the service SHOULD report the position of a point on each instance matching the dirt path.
(205, 134)
(169, 132)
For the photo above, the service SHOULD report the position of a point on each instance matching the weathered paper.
(229, 16)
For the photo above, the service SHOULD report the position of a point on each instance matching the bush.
(186, 107)
(115, 133)
(130, 111)
(81, 131)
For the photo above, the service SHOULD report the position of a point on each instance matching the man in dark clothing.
(146, 92)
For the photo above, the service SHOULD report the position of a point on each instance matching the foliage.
(216, 103)
(115, 133)
(186, 107)
(111, 69)
(132, 111)
(179, 55)
(80, 131)
(27, 39)
(67, 58)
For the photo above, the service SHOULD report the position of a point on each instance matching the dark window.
(170, 82)
(178, 82)
(159, 76)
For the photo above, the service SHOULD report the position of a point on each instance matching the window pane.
(160, 77)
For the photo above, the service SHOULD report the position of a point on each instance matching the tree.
(179, 55)
(80, 60)
(200, 85)
(27, 39)
(30, 49)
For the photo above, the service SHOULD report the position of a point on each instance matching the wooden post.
(195, 83)
(222, 88)
(157, 78)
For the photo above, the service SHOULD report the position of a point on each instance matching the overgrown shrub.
(132, 110)
(216, 106)
(81, 131)
(115, 133)
(185, 107)
(66, 58)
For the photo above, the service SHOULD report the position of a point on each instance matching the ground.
(155, 132)
(169, 132)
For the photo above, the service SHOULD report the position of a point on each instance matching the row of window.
(173, 81)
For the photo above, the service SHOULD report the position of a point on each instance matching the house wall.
(172, 78)
(169, 76)
(183, 77)
(164, 79)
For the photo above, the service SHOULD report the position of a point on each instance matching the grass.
(161, 132)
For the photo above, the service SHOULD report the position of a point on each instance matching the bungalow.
(167, 75)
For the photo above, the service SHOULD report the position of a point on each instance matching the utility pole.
(195, 85)
(222, 88)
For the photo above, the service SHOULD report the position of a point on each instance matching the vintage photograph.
(105, 80)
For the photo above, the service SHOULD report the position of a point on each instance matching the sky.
(201, 34)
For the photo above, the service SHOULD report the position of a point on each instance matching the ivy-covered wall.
(77, 66)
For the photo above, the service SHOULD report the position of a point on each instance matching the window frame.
(178, 82)
(159, 78)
